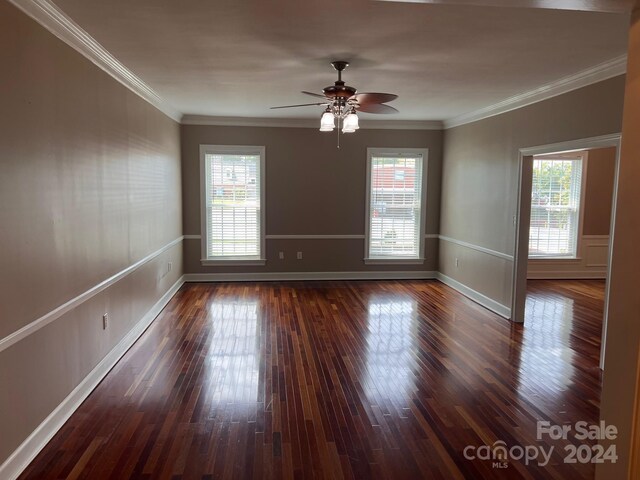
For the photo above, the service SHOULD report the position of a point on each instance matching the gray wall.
(598, 196)
(312, 188)
(480, 178)
(620, 403)
(89, 185)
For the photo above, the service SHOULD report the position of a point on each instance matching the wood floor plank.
(389, 379)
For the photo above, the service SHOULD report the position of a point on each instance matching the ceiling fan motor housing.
(343, 100)
(339, 90)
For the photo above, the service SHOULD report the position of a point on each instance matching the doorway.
(565, 216)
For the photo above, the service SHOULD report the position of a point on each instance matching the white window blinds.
(555, 207)
(395, 206)
(233, 205)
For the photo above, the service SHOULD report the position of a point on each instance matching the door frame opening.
(523, 214)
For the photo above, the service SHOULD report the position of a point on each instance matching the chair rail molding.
(478, 248)
(58, 312)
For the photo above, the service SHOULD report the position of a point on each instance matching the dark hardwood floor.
(338, 380)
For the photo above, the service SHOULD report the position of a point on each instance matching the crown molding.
(48, 15)
(307, 123)
(58, 23)
(612, 68)
(402, 124)
(606, 6)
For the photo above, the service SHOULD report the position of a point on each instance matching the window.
(555, 206)
(395, 205)
(233, 204)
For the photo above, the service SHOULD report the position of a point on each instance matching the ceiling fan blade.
(376, 108)
(314, 94)
(366, 98)
(301, 105)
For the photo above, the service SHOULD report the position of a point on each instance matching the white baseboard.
(477, 297)
(291, 276)
(568, 275)
(27, 451)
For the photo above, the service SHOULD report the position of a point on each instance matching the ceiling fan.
(343, 102)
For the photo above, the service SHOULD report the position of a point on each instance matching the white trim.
(598, 265)
(233, 262)
(477, 297)
(27, 451)
(478, 248)
(583, 156)
(46, 319)
(577, 145)
(605, 6)
(314, 237)
(596, 237)
(233, 150)
(617, 142)
(554, 260)
(591, 243)
(423, 153)
(590, 264)
(394, 261)
(612, 68)
(299, 276)
(582, 205)
(48, 15)
(567, 275)
(307, 122)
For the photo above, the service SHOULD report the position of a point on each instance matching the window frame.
(259, 259)
(555, 258)
(399, 152)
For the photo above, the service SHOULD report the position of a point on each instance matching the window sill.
(394, 261)
(233, 262)
(555, 259)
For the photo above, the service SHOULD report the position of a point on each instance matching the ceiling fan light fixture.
(342, 103)
(327, 121)
(350, 123)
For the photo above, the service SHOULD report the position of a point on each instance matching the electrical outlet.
(281, 255)
(457, 263)
(105, 321)
(299, 256)
(169, 267)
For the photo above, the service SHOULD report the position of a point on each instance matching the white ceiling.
(238, 58)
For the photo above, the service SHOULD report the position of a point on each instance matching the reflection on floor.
(338, 380)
